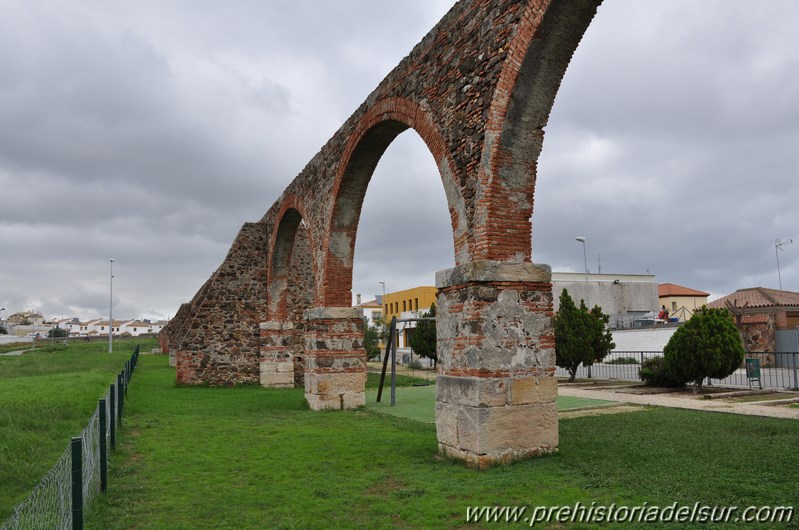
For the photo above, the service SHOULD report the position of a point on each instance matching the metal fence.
(777, 370)
(81, 472)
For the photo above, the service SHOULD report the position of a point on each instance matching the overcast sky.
(148, 132)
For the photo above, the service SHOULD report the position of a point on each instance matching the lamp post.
(777, 248)
(581, 239)
(111, 309)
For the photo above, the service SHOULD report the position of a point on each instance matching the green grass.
(248, 457)
(46, 398)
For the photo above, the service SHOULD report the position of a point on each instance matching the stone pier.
(335, 361)
(496, 390)
(276, 364)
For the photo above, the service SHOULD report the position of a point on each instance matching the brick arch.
(538, 57)
(282, 245)
(372, 135)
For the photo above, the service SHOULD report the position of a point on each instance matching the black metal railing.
(777, 370)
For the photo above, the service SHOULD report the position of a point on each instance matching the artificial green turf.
(249, 457)
(418, 403)
(46, 398)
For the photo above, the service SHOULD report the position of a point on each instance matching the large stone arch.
(478, 89)
(374, 132)
(538, 56)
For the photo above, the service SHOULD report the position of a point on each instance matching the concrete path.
(681, 402)
(18, 352)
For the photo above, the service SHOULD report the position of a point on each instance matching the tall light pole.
(111, 310)
(777, 248)
(581, 239)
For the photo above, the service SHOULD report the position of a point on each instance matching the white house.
(135, 327)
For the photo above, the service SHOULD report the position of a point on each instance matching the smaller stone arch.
(290, 292)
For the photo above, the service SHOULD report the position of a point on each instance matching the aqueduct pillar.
(495, 391)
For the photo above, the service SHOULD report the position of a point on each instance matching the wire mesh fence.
(51, 505)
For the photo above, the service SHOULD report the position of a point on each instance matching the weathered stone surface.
(495, 392)
(493, 271)
(489, 435)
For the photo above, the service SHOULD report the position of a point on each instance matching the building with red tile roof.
(759, 312)
(679, 301)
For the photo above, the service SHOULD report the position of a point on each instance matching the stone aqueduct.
(478, 89)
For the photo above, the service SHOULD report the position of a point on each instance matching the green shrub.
(653, 372)
(708, 345)
(623, 360)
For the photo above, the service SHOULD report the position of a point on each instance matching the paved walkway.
(681, 401)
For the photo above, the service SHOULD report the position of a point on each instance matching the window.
(416, 304)
(404, 308)
(674, 306)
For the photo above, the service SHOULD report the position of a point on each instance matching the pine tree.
(708, 345)
(581, 336)
(423, 338)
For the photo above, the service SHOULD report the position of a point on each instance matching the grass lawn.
(248, 457)
(46, 398)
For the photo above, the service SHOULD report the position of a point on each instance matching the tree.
(57, 333)
(372, 336)
(708, 345)
(423, 338)
(580, 335)
(3, 330)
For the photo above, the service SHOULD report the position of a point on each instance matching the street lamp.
(777, 248)
(581, 239)
(111, 309)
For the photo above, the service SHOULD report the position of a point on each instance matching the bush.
(653, 372)
(623, 360)
(708, 345)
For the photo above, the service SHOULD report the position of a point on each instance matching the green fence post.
(103, 447)
(121, 399)
(77, 483)
(112, 417)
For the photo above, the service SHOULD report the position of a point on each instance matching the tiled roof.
(672, 289)
(759, 297)
(754, 319)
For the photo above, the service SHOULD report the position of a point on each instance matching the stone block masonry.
(478, 90)
(496, 391)
(335, 367)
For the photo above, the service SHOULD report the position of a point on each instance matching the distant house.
(681, 302)
(26, 323)
(372, 310)
(759, 313)
(410, 303)
(159, 325)
(135, 327)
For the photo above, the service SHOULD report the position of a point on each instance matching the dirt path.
(682, 401)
